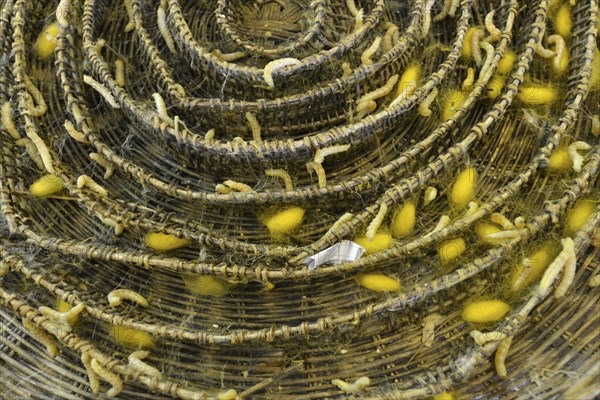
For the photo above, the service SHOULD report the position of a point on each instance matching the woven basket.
(252, 86)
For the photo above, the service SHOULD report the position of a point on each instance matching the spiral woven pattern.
(175, 133)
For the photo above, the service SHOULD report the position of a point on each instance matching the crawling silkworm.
(86, 181)
(283, 174)
(113, 379)
(102, 90)
(116, 297)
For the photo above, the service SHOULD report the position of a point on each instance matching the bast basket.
(299, 199)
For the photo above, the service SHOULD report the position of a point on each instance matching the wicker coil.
(227, 112)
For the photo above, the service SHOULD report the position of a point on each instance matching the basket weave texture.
(205, 119)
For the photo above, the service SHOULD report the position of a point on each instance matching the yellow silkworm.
(388, 38)
(482, 338)
(61, 13)
(86, 181)
(93, 379)
(453, 100)
(320, 154)
(365, 57)
(100, 43)
(506, 62)
(408, 82)
(358, 20)
(275, 66)
(222, 189)
(495, 33)
(472, 208)
(567, 255)
(596, 123)
(161, 107)
(534, 265)
(484, 231)
(120, 73)
(237, 186)
(365, 108)
(209, 137)
(430, 195)
(74, 133)
(129, 9)
(42, 150)
(68, 317)
(453, 7)
(352, 7)
(102, 90)
(380, 92)
(595, 78)
(560, 62)
(403, 221)
(8, 123)
(130, 337)
(65, 307)
(443, 12)
(47, 185)
(573, 151)
(41, 336)
(489, 55)
(464, 188)
(376, 222)
(504, 235)
(501, 220)
(118, 228)
(205, 285)
(476, 37)
(40, 108)
(543, 52)
(254, 127)
(165, 242)
(46, 42)
(284, 221)
(161, 19)
(428, 333)
(341, 220)
(442, 223)
(346, 69)
(568, 275)
(104, 163)
(424, 106)
(116, 297)
(426, 18)
(500, 357)
(381, 241)
(563, 22)
(352, 388)
(135, 362)
(579, 215)
(230, 394)
(229, 57)
(32, 151)
(520, 223)
(485, 311)
(469, 80)
(113, 379)
(451, 249)
(283, 174)
(318, 168)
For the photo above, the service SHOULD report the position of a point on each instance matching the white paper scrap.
(345, 251)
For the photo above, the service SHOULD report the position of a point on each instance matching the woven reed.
(285, 331)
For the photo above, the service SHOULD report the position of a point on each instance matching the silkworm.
(469, 80)
(113, 379)
(86, 181)
(500, 357)
(8, 122)
(129, 9)
(568, 275)
(341, 220)
(573, 151)
(442, 223)
(596, 124)
(365, 108)
(39, 109)
(495, 33)
(135, 362)
(42, 336)
(222, 189)
(568, 251)
(453, 7)
(161, 18)
(543, 52)
(42, 150)
(161, 107)
(66, 317)
(424, 106)
(559, 49)
(92, 376)
(481, 338)
(230, 57)
(209, 137)
(358, 20)
(427, 18)
(102, 90)
(118, 228)
(428, 332)
(32, 151)
(388, 38)
(473, 206)
(501, 220)
(238, 186)
(351, 7)
(365, 57)
(352, 388)
(116, 297)
(120, 73)
(380, 92)
(515, 233)
(103, 162)
(275, 66)
(346, 70)
(254, 126)
(100, 43)
(376, 222)
(230, 394)
(475, 44)
(61, 13)
(74, 133)
(320, 154)
(283, 174)
(430, 195)
(489, 55)
(318, 168)
(444, 12)
(520, 223)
